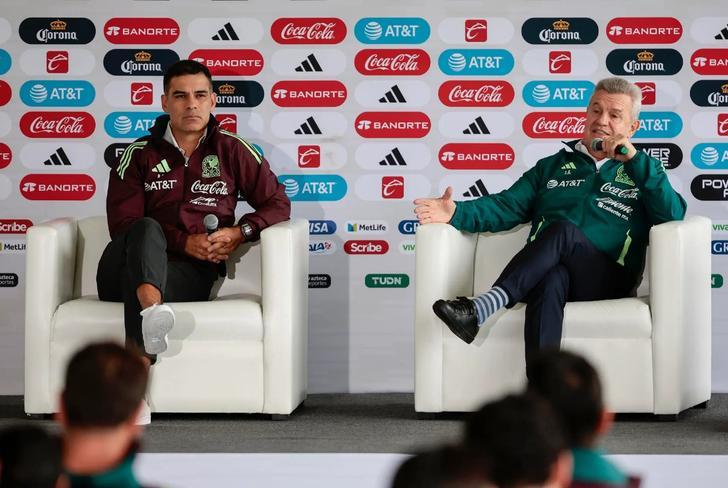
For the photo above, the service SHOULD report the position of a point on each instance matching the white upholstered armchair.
(245, 351)
(652, 352)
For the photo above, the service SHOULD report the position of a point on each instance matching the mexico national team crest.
(623, 177)
(210, 166)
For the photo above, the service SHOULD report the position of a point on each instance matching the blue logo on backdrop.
(710, 156)
(56, 93)
(321, 227)
(408, 227)
(543, 93)
(313, 188)
(719, 247)
(659, 125)
(475, 62)
(5, 61)
(258, 149)
(392, 30)
(130, 125)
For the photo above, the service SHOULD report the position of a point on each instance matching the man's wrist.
(246, 231)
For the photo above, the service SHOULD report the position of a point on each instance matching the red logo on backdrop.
(389, 62)
(308, 30)
(14, 226)
(392, 187)
(228, 122)
(230, 62)
(476, 30)
(5, 93)
(541, 125)
(644, 30)
(141, 30)
(6, 155)
(309, 93)
(309, 156)
(57, 62)
(57, 187)
(476, 93)
(57, 125)
(399, 125)
(366, 247)
(560, 62)
(649, 91)
(476, 156)
(710, 61)
(142, 93)
(723, 124)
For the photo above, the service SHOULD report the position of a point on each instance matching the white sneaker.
(157, 321)
(144, 417)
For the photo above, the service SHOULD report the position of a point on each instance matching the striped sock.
(489, 303)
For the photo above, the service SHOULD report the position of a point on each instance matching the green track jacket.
(614, 207)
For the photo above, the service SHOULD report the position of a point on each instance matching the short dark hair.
(185, 67)
(105, 384)
(446, 467)
(519, 438)
(30, 457)
(571, 386)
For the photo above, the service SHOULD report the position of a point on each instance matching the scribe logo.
(400, 125)
(392, 62)
(649, 92)
(476, 30)
(472, 93)
(541, 125)
(309, 93)
(563, 30)
(309, 156)
(386, 280)
(478, 156)
(366, 247)
(6, 155)
(57, 187)
(139, 30)
(57, 124)
(57, 30)
(308, 30)
(228, 122)
(142, 93)
(230, 62)
(57, 62)
(392, 187)
(644, 30)
(710, 61)
(15, 226)
(560, 62)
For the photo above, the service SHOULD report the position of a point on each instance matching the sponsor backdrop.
(360, 107)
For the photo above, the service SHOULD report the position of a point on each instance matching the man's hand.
(609, 146)
(223, 242)
(436, 210)
(198, 246)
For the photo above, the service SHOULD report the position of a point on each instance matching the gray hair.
(621, 86)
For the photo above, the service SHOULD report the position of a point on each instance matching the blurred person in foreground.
(30, 457)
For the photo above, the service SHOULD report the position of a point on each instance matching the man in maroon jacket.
(165, 185)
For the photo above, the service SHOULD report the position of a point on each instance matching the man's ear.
(561, 471)
(605, 423)
(634, 126)
(164, 102)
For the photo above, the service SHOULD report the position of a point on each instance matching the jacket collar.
(160, 127)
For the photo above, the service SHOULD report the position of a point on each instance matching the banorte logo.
(476, 93)
(366, 247)
(15, 226)
(308, 30)
(6, 155)
(309, 93)
(140, 30)
(230, 62)
(644, 30)
(544, 125)
(57, 187)
(710, 61)
(57, 125)
(397, 125)
(391, 62)
(477, 156)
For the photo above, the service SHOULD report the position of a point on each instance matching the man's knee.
(146, 227)
(553, 286)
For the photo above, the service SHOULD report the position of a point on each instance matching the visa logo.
(321, 227)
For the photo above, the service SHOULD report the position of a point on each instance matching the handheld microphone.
(598, 145)
(210, 222)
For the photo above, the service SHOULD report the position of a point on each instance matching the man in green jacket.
(591, 206)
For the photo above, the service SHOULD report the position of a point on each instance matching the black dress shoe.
(460, 316)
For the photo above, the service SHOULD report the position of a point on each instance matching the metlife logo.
(366, 227)
(392, 30)
(546, 93)
(56, 93)
(476, 62)
(313, 188)
(710, 156)
(129, 125)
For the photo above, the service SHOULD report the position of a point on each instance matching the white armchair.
(244, 351)
(652, 352)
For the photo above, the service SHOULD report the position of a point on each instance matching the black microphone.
(598, 145)
(210, 222)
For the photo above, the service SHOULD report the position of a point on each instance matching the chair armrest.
(680, 301)
(284, 255)
(444, 268)
(50, 260)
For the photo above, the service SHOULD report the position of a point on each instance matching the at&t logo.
(392, 30)
(309, 188)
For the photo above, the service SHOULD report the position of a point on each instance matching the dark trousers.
(139, 256)
(560, 265)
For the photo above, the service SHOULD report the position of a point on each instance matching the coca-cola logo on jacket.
(543, 125)
(398, 125)
(388, 62)
(644, 30)
(57, 187)
(138, 30)
(309, 93)
(476, 93)
(308, 30)
(230, 62)
(56, 125)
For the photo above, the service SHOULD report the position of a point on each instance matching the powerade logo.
(710, 156)
(655, 125)
(392, 30)
(139, 62)
(561, 30)
(5, 61)
(543, 93)
(386, 280)
(476, 62)
(642, 62)
(667, 153)
(710, 93)
(716, 281)
(719, 247)
(408, 227)
(57, 30)
(313, 188)
(321, 227)
(238, 93)
(45, 93)
(129, 125)
(710, 187)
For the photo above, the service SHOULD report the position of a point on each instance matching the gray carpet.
(386, 423)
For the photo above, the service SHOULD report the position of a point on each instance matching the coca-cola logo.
(5, 93)
(215, 188)
(57, 187)
(15, 226)
(644, 30)
(472, 93)
(710, 61)
(54, 125)
(140, 30)
(230, 62)
(308, 30)
(388, 62)
(476, 156)
(542, 125)
(398, 125)
(309, 93)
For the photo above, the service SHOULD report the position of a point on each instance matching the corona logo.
(142, 57)
(226, 89)
(724, 88)
(561, 25)
(645, 56)
(58, 25)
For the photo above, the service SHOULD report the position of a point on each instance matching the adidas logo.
(394, 158)
(310, 64)
(394, 95)
(476, 190)
(162, 167)
(568, 166)
(58, 158)
(723, 34)
(308, 127)
(227, 33)
(477, 127)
